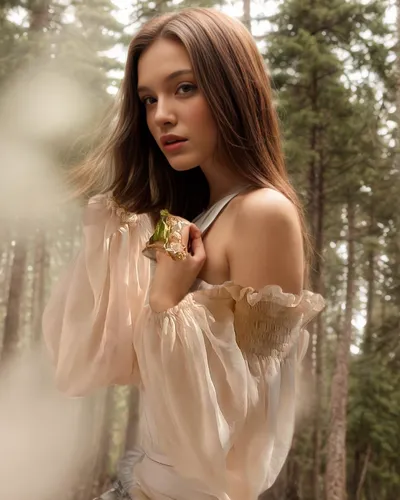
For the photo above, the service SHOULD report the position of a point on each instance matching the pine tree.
(86, 40)
(310, 53)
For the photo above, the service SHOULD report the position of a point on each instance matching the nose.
(164, 114)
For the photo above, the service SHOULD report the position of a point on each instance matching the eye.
(148, 100)
(186, 88)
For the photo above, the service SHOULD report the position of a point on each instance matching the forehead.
(162, 58)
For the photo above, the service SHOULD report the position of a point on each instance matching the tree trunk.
(41, 266)
(362, 448)
(336, 459)
(313, 362)
(396, 162)
(247, 14)
(397, 156)
(371, 288)
(12, 319)
(363, 473)
(39, 11)
(319, 337)
(5, 272)
(6, 251)
(313, 214)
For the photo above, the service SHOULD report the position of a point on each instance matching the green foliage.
(330, 64)
(374, 409)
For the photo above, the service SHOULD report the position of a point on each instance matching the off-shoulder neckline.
(271, 290)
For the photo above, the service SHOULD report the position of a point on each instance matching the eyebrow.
(170, 77)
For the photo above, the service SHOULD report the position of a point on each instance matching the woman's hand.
(173, 278)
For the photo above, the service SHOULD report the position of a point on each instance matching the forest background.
(335, 66)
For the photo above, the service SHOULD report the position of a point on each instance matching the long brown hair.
(231, 73)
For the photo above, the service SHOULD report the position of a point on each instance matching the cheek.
(202, 118)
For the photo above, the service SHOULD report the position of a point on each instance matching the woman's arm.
(90, 319)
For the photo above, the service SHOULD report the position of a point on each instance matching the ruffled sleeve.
(89, 321)
(219, 373)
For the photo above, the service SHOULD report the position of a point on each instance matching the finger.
(197, 245)
(158, 255)
(186, 234)
(194, 231)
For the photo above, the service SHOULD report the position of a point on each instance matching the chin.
(182, 166)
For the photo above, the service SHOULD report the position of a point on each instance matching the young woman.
(212, 331)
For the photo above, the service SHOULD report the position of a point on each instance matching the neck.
(221, 182)
(216, 198)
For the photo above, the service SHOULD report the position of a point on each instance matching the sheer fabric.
(216, 373)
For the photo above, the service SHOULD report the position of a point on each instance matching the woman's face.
(178, 115)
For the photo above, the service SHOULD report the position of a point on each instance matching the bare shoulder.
(267, 246)
(265, 205)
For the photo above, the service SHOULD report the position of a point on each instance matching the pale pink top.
(214, 422)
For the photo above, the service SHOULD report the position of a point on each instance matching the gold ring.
(167, 237)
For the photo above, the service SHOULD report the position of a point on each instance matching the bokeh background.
(335, 66)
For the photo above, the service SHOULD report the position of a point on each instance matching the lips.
(174, 147)
(174, 142)
(171, 139)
